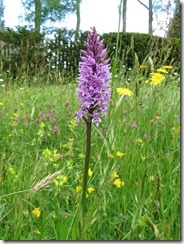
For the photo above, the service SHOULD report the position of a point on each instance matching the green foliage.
(47, 10)
(61, 54)
(25, 50)
(174, 30)
(165, 50)
(2, 14)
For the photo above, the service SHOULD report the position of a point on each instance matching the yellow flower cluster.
(36, 212)
(90, 189)
(158, 77)
(41, 131)
(78, 189)
(90, 172)
(60, 180)
(116, 154)
(13, 173)
(52, 156)
(176, 129)
(139, 140)
(72, 124)
(116, 180)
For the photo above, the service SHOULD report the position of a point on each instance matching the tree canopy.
(1, 14)
(174, 30)
(41, 11)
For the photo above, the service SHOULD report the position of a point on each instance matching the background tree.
(156, 9)
(77, 7)
(174, 30)
(124, 12)
(2, 14)
(41, 11)
(150, 9)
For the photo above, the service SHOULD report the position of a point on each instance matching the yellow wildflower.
(114, 175)
(78, 188)
(167, 67)
(90, 189)
(156, 78)
(142, 66)
(64, 179)
(124, 91)
(119, 154)
(139, 140)
(118, 183)
(60, 180)
(176, 129)
(21, 88)
(46, 153)
(72, 123)
(42, 125)
(160, 70)
(40, 133)
(11, 171)
(90, 172)
(36, 212)
(1, 104)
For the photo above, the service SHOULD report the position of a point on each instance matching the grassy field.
(134, 177)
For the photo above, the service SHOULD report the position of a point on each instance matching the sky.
(103, 14)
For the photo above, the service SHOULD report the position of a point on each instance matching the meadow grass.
(42, 158)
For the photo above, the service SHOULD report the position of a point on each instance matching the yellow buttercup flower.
(78, 188)
(124, 91)
(90, 172)
(119, 154)
(114, 175)
(90, 189)
(118, 183)
(36, 212)
(139, 140)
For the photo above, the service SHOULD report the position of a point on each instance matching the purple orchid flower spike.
(93, 87)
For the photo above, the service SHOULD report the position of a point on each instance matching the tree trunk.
(150, 17)
(37, 15)
(78, 20)
(124, 14)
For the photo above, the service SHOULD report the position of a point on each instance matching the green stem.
(86, 166)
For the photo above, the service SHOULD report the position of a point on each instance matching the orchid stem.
(86, 166)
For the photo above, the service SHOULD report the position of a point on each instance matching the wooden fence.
(63, 57)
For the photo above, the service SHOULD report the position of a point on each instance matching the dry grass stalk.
(45, 181)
